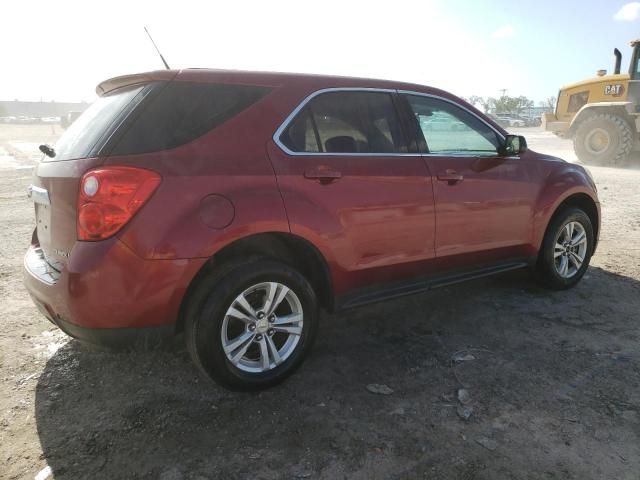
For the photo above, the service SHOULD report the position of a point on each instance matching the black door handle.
(451, 177)
(324, 174)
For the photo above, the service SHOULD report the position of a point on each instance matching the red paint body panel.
(379, 214)
(387, 218)
(564, 180)
(105, 285)
(491, 208)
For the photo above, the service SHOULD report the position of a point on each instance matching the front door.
(484, 201)
(350, 186)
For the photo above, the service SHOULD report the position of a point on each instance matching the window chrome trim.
(292, 115)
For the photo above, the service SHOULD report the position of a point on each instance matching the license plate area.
(42, 205)
(43, 223)
(39, 195)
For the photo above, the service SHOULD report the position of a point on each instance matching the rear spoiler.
(126, 80)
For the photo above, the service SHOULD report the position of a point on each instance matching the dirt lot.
(552, 380)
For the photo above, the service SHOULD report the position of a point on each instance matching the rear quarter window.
(182, 112)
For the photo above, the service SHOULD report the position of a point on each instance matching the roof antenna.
(166, 65)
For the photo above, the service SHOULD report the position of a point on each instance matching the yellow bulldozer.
(602, 114)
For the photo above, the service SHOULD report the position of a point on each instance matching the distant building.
(17, 108)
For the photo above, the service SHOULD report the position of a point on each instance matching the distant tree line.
(508, 104)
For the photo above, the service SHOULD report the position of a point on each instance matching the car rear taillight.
(109, 197)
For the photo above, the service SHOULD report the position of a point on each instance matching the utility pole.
(503, 91)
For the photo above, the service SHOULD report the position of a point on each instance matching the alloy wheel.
(262, 327)
(570, 249)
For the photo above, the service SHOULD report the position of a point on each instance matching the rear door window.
(346, 122)
(182, 112)
(90, 128)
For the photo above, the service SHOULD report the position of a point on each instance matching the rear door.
(351, 186)
(484, 201)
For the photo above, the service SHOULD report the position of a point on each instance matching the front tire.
(251, 324)
(603, 139)
(566, 249)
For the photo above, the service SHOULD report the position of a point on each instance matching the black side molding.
(382, 292)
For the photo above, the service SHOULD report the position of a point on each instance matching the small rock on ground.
(487, 443)
(171, 474)
(464, 412)
(463, 357)
(379, 389)
(463, 396)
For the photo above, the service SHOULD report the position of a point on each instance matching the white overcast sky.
(60, 50)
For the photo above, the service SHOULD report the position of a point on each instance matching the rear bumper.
(142, 338)
(107, 294)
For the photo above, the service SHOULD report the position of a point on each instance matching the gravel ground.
(495, 378)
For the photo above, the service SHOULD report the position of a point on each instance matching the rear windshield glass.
(79, 139)
(182, 112)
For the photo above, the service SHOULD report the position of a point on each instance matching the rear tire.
(239, 339)
(566, 249)
(603, 139)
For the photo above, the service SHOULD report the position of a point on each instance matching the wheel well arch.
(592, 110)
(288, 248)
(585, 203)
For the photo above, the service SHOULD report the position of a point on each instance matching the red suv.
(232, 205)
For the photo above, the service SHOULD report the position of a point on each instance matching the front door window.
(451, 130)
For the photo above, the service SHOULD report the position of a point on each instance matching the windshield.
(83, 134)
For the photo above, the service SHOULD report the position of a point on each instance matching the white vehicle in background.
(50, 119)
(532, 120)
(510, 120)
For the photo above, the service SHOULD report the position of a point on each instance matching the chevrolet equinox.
(230, 206)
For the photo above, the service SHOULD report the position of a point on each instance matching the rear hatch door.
(57, 179)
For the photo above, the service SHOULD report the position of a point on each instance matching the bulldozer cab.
(634, 77)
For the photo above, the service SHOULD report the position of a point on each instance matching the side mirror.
(513, 145)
